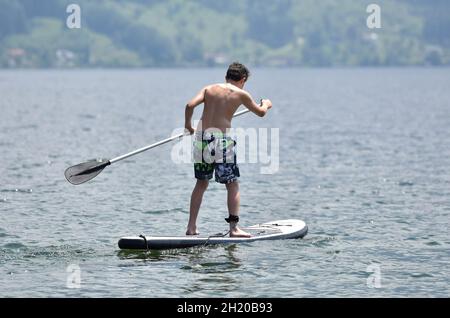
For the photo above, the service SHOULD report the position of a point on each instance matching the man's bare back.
(220, 103)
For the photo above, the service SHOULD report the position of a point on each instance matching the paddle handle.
(162, 142)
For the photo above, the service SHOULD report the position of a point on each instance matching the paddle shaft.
(162, 142)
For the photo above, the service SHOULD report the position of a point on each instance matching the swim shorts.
(215, 152)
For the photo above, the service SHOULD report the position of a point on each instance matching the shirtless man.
(220, 103)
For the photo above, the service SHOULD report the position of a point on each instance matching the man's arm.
(189, 111)
(259, 110)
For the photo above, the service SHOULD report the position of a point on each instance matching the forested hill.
(136, 33)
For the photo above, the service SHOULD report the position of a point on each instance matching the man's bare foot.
(192, 232)
(237, 232)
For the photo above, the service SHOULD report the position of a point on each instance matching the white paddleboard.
(276, 230)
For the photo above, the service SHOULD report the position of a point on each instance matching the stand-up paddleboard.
(276, 230)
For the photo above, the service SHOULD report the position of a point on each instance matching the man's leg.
(196, 201)
(233, 209)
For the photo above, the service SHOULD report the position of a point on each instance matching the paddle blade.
(85, 171)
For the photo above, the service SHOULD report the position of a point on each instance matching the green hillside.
(146, 33)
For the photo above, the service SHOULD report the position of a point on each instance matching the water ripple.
(17, 190)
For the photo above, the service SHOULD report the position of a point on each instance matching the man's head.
(238, 74)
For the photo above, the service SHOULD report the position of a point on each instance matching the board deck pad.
(275, 230)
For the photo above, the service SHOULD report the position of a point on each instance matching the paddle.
(88, 170)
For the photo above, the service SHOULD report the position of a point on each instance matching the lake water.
(364, 161)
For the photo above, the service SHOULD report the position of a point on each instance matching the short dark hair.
(237, 71)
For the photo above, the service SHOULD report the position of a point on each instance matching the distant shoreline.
(223, 66)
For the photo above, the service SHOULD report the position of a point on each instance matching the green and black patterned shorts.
(215, 152)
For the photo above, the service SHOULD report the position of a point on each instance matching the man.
(220, 103)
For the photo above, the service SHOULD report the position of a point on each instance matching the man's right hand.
(267, 103)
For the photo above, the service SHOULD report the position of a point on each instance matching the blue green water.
(364, 161)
